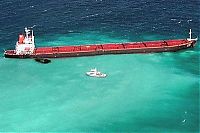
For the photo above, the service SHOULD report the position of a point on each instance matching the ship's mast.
(190, 39)
(32, 33)
(27, 31)
(190, 33)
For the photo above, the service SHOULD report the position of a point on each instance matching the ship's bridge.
(25, 43)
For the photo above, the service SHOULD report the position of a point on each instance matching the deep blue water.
(158, 93)
(126, 18)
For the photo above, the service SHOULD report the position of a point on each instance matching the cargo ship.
(25, 47)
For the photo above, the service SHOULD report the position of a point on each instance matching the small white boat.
(95, 73)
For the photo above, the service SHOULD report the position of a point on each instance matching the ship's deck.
(111, 46)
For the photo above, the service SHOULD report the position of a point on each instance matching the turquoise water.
(143, 92)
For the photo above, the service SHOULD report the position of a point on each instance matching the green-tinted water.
(143, 92)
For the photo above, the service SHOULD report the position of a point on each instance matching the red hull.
(102, 49)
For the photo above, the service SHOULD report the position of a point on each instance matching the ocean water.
(156, 92)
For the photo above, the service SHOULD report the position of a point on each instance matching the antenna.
(32, 26)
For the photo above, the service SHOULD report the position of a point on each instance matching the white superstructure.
(25, 44)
